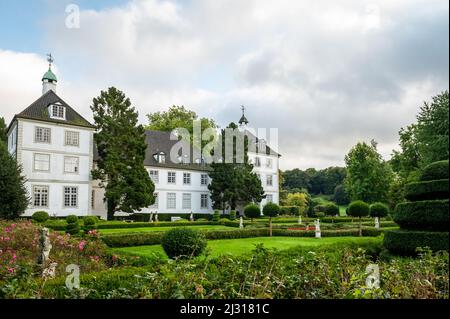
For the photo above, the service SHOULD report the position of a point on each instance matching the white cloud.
(327, 74)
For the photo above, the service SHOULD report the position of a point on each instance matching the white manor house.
(55, 146)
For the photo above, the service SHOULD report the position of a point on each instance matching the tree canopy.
(3, 132)
(121, 147)
(315, 181)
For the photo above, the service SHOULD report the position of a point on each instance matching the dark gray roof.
(160, 141)
(38, 110)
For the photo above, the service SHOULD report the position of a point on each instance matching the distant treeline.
(314, 181)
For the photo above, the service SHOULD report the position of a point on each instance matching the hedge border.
(405, 242)
(426, 215)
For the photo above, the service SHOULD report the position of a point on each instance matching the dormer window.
(160, 157)
(58, 111)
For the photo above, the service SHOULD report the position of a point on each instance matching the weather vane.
(50, 59)
(243, 109)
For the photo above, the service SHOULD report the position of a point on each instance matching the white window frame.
(76, 166)
(156, 203)
(171, 199)
(72, 138)
(186, 178)
(204, 179)
(154, 175)
(59, 107)
(269, 163)
(187, 201)
(71, 195)
(171, 177)
(269, 198)
(35, 155)
(204, 201)
(43, 190)
(257, 162)
(269, 180)
(40, 138)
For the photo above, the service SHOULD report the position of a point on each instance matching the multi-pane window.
(42, 134)
(257, 162)
(58, 111)
(71, 164)
(72, 138)
(171, 177)
(171, 200)
(269, 180)
(160, 157)
(154, 175)
(203, 200)
(269, 198)
(204, 179)
(93, 199)
(187, 200)
(186, 178)
(269, 163)
(40, 196)
(155, 204)
(70, 196)
(42, 162)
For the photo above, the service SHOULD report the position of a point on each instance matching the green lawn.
(324, 199)
(160, 229)
(245, 245)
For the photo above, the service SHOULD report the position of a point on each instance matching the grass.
(325, 199)
(245, 245)
(159, 229)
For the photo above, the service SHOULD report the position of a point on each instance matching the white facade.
(51, 167)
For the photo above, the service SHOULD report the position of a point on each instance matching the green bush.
(271, 210)
(233, 215)
(429, 215)
(252, 211)
(437, 189)
(358, 209)
(320, 208)
(319, 214)
(378, 210)
(40, 216)
(405, 242)
(331, 209)
(435, 171)
(89, 223)
(294, 210)
(216, 216)
(73, 227)
(183, 243)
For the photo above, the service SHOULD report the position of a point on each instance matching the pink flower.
(10, 270)
(114, 257)
(81, 245)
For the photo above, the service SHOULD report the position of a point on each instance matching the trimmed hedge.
(183, 242)
(427, 215)
(427, 190)
(144, 239)
(405, 242)
(40, 216)
(435, 171)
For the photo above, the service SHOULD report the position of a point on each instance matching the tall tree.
(13, 194)
(368, 175)
(121, 147)
(179, 117)
(234, 183)
(3, 128)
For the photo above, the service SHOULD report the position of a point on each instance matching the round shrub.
(435, 171)
(73, 227)
(294, 210)
(319, 215)
(40, 216)
(358, 209)
(89, 223)
(427, 215)
(271, 210)
(331, 209)
(233, 215)
(378, 210)
(405, 242)
(182, 242)
(437, 189)
(216, 216)
(252, 211)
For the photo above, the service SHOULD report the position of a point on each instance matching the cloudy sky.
(327, 74)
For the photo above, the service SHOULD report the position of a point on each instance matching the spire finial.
(50, 60)
(243, 120)
(243, 109)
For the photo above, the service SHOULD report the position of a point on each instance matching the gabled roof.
(38, 110)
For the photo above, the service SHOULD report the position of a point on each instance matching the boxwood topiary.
(73, 227)
(183, 242)
(252, 211)
(429, 215)
(89, 223)
(437, 189)
(435, 171)
(405, 242)
(378, 210)
(40, 216)
(216, 216)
